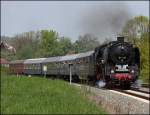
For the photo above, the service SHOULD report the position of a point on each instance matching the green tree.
(26, 45)
(65, 46)
(49, 43)
(143, 44)
(85, 43)
(135, 27)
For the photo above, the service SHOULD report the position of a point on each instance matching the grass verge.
(34, 95)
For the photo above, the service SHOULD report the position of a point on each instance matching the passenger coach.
(33, 66)
(16, 67)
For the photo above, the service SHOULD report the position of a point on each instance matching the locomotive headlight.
(112, 71)
(102, 61)
(132, 71)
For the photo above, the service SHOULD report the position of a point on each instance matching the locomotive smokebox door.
(120, 39)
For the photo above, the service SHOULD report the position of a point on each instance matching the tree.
(143, 44)
(26, 45)
(85, 43)
(49, 43)
(135, 27)
(65, 46)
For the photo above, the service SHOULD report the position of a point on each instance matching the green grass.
(34, 95)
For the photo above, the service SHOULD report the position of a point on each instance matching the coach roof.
(52, 59)
(86, 54)
(16, 61)
(36, 60)
(69, 57)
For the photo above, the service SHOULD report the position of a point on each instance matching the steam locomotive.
(118, 62)
(114, 63)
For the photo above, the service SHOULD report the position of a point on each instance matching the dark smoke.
(105, 20)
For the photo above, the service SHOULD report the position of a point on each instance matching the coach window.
(82, 60)
(37, 66)
(91, 58)
(27, 66)
(24, 66)
(48, 65)
(34, 66)
(30, 66)
(87, 59)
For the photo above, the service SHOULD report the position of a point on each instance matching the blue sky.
(64, 17)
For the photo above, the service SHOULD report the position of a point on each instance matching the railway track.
(146, 85)
(143, 94)
(142, 90)
(136, 93)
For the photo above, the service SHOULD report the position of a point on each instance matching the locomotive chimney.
(120, 39)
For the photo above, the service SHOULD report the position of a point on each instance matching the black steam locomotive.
(114, 63)
(117, 62)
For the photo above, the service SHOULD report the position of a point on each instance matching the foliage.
(36, 95)
(25, 44)
(85, 43)
(49, 43)
(143, 45)
(135, 27)
(65, 46)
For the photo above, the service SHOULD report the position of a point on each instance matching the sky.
(69, 18)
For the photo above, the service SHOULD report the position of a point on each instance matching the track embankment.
(116, 102)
